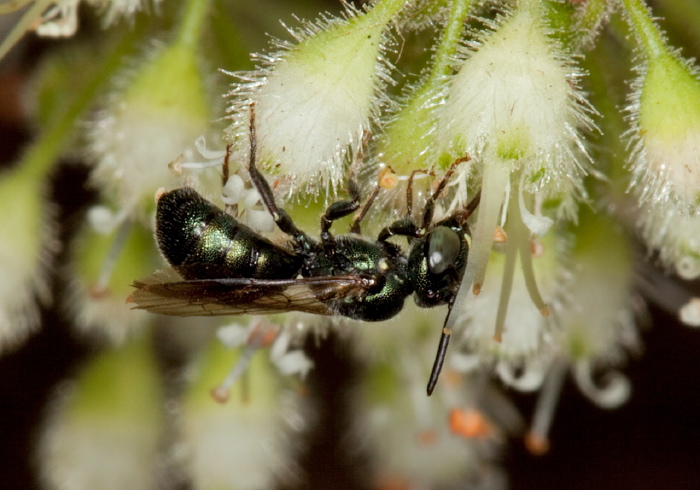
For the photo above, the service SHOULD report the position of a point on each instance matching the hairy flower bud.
(106, 427)
(147, 124)
(26, 245)
(248, 440)
(665, 114)
(316, 98)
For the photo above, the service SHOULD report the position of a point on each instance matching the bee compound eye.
(443, 250)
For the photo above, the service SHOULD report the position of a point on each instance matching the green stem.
(192, 22)
(32, 14)
(506, 283)
(647, 32)
(12, 6)
(588, 19)
(41, 155)
(591, 14)
(384, 10)
(449, 43)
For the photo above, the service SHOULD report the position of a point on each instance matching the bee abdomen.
(201, 241)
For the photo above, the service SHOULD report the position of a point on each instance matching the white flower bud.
(317, 98)
(250, 441)
(665, 114)
(27, 244)
(148, 124)
(106, 427)
(514, 102)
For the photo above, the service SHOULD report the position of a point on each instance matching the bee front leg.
(339, 210)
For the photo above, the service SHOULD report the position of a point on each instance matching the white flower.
(105, 430)
(514, 103)
(664, 112)
(665, 116)
(597, 324)
(28, 242)
(675, 235)
(102, 269)
(250, 441)
(413, 442)
(514, 108)
(147, 124)
(317, 98)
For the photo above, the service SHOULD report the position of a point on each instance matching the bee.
(226, 268)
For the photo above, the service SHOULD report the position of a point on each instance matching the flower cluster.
(497, 115)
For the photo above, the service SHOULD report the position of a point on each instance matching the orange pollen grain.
(500, 236)
(263, 336)
(536, 249)
(469, 423)
(99, 292)
(393, 482)
(220, 394)
(387, 179)
(536, 443)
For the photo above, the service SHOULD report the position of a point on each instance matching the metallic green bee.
(226, 268)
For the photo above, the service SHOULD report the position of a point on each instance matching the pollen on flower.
(412, 437)
(515, 108)
(499, 236)
(518, 330)
(221, 394)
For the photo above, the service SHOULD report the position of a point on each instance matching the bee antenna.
(441, 352)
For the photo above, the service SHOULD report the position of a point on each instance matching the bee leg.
(409, 191)
(430, 203)
(339, 210)
(355, 227)
(283, 221)
(403, 227)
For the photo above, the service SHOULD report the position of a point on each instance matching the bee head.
(436, 264)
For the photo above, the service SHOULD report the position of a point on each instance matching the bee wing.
(245, 296)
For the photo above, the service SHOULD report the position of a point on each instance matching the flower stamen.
(101, 286)
(537, 438)
(261, 335)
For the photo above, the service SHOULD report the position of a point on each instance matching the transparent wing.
(244, 296)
